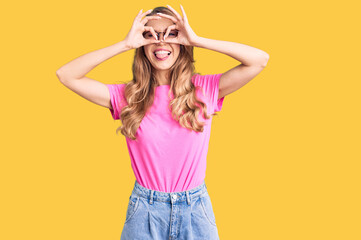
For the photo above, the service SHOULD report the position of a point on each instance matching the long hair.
(139, 92)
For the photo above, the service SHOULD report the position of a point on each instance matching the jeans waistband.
(153, 195)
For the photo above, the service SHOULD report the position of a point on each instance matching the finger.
(140, 12)
(169, 28)
(145, 13)
(150, 41)
(151, 29)
(175, 12)
(171, 40)
(184, 13)
(146, 19)
(168, 16)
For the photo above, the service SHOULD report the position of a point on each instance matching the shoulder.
(116, 92)
(117, 99)
(208, 82)
(116, 88)
(209, 85)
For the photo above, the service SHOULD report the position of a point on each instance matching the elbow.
(57, 73)
(61, 77)
(265, 61)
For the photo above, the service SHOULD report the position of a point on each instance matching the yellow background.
(284, 156)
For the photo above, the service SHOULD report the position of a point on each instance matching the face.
(161, 61)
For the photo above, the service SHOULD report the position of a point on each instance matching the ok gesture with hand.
(135, 38)
(186, 36)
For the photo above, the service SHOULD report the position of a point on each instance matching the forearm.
(80, 66)
(246, 54)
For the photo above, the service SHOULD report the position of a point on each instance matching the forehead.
(159, 25)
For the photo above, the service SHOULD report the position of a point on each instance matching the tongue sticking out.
(163, 55)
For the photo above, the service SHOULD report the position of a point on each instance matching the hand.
(186, 35)
(134, 38)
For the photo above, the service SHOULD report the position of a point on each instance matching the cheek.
(148, 54)
(176, 51)
(146, 51)
(177, 54)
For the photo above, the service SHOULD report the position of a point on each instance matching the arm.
(72, 74)
(80, 66)
(248, 55)
(253, 61)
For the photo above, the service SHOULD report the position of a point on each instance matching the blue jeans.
(155, 215)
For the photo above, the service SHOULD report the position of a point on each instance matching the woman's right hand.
(134, 38)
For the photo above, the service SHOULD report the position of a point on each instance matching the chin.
(161, 65)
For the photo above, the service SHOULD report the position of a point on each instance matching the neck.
(162, 77)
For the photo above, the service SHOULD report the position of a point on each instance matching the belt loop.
(188, 198)
(151, 197)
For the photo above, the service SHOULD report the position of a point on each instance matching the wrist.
(123, 46)
(196, 41)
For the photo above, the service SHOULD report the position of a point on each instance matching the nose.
(158, 34)
(161, 42)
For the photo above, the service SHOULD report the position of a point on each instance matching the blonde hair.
(139, 92)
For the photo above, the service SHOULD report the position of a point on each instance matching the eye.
(173, 33)
(147, 35)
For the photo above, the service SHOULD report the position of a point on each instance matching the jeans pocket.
(208, 209)
(133, 205)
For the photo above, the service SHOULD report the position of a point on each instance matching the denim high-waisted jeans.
(155, 215)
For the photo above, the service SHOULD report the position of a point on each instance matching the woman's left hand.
(186, 35)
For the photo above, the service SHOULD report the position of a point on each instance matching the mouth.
(162, 55)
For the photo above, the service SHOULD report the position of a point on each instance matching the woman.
(166, 113)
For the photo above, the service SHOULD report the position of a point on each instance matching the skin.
(161, 67)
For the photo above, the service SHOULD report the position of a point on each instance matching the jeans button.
(174, 197)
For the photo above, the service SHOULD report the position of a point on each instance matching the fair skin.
(253, 60)
(72, 74)
(161, 67)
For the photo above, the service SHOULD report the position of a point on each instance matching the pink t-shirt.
(166, 156)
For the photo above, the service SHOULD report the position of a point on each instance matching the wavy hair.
(139, 92)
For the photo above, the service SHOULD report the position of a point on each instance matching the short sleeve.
(117, 99)
(210, 84)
